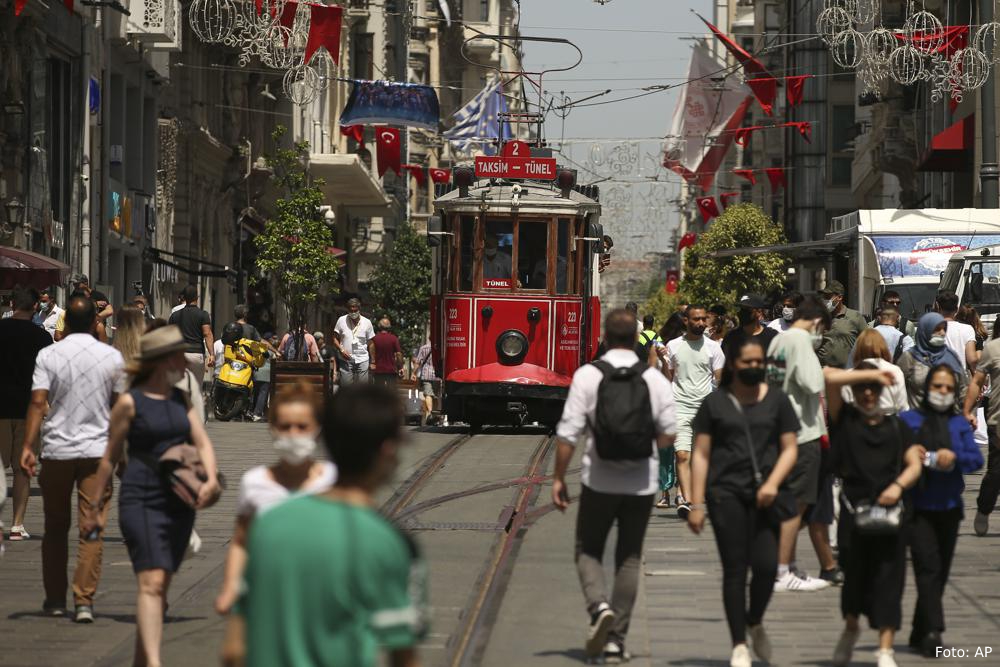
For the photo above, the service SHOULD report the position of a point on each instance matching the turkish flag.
(440, 175)
(765, 90)
(747, 174)
(324, 31)
(750, 64)
(743, 134)
(417, 172)
(387, 150)
(777, 177)
(804, 127)
(687, 241)
(727, 198)
(356, 132)
(793, 90)
(708, 208)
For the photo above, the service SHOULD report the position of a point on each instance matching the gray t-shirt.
(694, 364)
(989, 363)
(793, 367)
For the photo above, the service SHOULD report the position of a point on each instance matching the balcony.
(348, 183)
(357, 8)
(155, 21)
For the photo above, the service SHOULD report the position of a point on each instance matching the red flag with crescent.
(387, 150)
(356, 132)
(708, 208)
(687, 241)
(324, 31)
(440, 175)
(417, 172)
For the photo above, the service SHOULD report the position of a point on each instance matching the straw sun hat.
(160, 342)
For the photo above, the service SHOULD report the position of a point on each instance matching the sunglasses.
(874, 388)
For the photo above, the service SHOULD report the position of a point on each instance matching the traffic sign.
(537, 168)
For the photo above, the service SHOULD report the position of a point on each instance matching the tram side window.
(498, 242)
(562, 255)
(466, 251)
(532, 255)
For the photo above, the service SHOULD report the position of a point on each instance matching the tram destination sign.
(537, 168)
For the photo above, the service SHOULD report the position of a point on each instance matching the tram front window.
(498, 240)
(532, 255)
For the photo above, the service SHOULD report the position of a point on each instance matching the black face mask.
(751, 376)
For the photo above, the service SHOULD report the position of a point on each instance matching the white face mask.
(295, 449)
(937, 340)
(174, 375)
(354, 316)
(941, 402)
(873, 411)
(830, 305)
(787, 314)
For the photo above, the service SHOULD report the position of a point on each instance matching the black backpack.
(623, 425)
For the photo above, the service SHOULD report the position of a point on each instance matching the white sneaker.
(885, 657)
(981, 524)
(18, 533)
(789, 582)
(741, 657)
(845, 647)
(760, 642)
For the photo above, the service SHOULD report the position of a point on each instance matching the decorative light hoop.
(276, 51)
(986, 40)
(925, 24)
(212, 21)
(879, 45)
(848, 49)
(906, 65)
(864, 12)
(301, 84)
(831, 22)
(970, 68)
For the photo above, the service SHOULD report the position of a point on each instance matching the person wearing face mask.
(793, 367)
(49, 312)
(356, 341)
(929, 350)
(789, 302)
(753, 310)
(846, 326)
(152, 417)
(328, 580)
(295, 424)
(74, 384)
(745, 448)
(937, 501)
(877, 459)
(496, 263)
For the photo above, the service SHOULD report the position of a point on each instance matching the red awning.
(951, 149)
(29, 269)
(336, 252)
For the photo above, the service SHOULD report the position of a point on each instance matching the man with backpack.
(897, 341)
(299, 345)
(621, 411)
(648, 337)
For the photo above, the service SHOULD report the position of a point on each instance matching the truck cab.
(974, 275)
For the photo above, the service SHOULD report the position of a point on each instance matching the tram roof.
(535, 197)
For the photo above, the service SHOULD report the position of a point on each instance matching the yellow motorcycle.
(233, 392)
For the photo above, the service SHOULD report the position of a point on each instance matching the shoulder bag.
(182, 469)
(870, 518)
(785, 505)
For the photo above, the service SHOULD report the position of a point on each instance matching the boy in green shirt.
(328, 580)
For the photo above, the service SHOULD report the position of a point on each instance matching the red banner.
(708, 208)
(793, 90)
(776, 175)
(387, 150)
(417, 172)
(747, 174)
(440, 175)
(687, 241)
(765, 90)
(324, 31)
(356, 132)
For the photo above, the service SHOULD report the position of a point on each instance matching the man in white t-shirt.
(959, 338)
(356, 343)
(78, 378)
(613, 490)
(694, 365)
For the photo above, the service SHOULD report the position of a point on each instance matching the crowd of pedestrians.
(858, 433)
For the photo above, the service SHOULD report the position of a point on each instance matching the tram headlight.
(512, 346)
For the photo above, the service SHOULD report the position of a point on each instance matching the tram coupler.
(518, 408)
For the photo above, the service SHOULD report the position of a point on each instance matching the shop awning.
(347, 182)
(29, 269)
(951, 149)
(802, 250)
(208, 270)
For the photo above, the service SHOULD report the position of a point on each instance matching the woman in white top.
(295, 423)
(871, 347)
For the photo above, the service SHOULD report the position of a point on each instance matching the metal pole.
(989, 172)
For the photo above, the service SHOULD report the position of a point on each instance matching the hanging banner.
(324, 30)
(417, 172)
(388, 150)
(382, 102)
(704, 120)
(440, 175)
(793, 88)
(747, 174)
(687, 241)
(765, 90)
(776, 175)
(356, 132)
(708, 208)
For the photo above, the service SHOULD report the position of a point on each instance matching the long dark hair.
(728, 373)
(672, 328)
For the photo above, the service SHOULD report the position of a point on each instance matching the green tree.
(294, 248)
(709, 280)
(401, 287)
(661, 304)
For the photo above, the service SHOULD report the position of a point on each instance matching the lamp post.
(989, 171)
(15, 212)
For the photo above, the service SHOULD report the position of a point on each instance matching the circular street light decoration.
(906, 65)
(985, 41)
(928, 29)
(831, 22)
(848, 49)
(301, 84)
(879, 46)
(212, 21)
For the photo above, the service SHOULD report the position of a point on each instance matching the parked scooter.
(233, 392)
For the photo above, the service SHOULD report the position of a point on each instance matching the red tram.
(515, 309)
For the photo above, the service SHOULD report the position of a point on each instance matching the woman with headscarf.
(937, 500)
(930, 351)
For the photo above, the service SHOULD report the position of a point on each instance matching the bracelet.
(896, 482)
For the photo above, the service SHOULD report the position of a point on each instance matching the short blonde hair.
(871, 345)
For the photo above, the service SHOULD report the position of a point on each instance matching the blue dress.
(155, 523)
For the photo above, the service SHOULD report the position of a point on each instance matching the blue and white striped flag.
(477, 123)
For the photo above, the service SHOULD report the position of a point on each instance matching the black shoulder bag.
(784, 506)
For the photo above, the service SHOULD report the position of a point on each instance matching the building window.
(60, 144)
(840, 172)
(363, 55)
(843, 127)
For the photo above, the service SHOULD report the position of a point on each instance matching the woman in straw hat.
(152, 417)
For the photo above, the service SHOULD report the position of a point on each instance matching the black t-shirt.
(20, 341)
(868, 458)
(190, 319)
(734, 339)
(250, 331)
(730, 470)
(639, 349)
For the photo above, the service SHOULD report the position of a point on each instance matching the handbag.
(870, 518)
(182, 469)
(785, 505)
